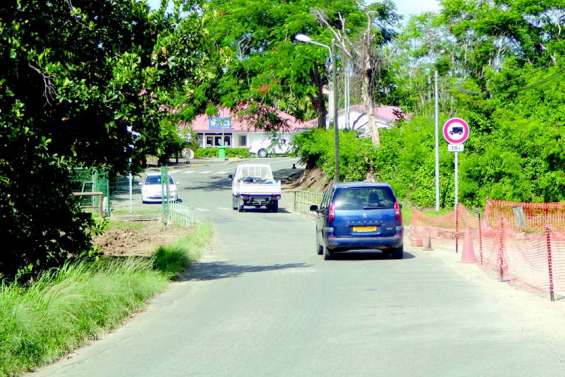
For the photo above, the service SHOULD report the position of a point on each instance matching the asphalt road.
(263, 304)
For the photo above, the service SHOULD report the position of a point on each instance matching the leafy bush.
(39, 215)
(406, 160)
(230, 152)
(317, 148)
(519, 158)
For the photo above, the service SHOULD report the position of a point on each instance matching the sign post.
(135, 135)
(456, 132)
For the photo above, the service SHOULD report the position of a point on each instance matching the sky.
(411, 7)
(405, 7)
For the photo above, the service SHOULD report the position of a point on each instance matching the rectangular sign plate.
(360, 229)
(455, 147)
(217, 123)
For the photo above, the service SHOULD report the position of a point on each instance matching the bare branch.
(49, 90)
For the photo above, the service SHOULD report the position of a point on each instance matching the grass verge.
(178, 256)
(62, 310)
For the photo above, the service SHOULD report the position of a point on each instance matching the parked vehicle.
(270, 146)
(253, 185)
(359, 215)
(152, 191)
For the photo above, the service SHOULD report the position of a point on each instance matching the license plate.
(361, 229)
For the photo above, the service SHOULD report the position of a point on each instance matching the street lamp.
(306, 39)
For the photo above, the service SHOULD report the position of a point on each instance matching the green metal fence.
(92, 186)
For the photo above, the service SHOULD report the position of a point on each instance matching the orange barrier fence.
(526, 217)
(520, 243)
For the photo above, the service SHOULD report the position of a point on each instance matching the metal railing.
(96, 201)
(179, 214)
(300, 201)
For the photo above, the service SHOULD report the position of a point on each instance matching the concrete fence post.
(480, 240)
(501, 251)
(456, 229)
(549, 261)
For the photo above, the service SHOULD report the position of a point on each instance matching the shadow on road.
(263, 210)
(224, 270)
(214, 184)
(365, 255)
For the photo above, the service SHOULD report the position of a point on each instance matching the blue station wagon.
(359, 216)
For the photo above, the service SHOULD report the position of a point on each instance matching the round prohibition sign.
(455, 131)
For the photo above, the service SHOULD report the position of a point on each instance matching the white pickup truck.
(253, 185)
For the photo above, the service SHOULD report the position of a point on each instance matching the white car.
(152, 191)
(270, 146)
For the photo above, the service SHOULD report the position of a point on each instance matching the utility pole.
(436, 133)
(336, 111)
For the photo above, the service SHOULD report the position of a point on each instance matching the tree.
(75, 75)
(263, 64)
(363, 50)
(501, 65)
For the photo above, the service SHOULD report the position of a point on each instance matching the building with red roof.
(385, 117)
(226, 128)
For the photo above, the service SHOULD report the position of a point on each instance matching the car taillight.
(397, 213)
(331, 214)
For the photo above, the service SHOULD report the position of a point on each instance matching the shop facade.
(229, 130)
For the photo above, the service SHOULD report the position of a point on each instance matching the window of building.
(242, 140)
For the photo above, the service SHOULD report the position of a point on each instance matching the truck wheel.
(262, 153)
(234, 202)
(274, 206)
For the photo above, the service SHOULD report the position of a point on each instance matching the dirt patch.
(311, 180)
(131, 238)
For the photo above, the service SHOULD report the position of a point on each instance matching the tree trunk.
(368, 102)
(319, 100)
(320, 107)
(367, 69)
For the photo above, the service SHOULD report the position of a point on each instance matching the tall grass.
(61, 310)
(177, 257)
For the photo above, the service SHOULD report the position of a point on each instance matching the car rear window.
(156, 180)
(356, 198)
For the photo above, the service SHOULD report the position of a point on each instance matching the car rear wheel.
(328, 254)
(398, 253)
(319, 248)
(262, 153)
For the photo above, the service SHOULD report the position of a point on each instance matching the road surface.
(263, 304)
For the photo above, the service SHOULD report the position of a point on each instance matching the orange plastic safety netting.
(526, 217)
(520, 243)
